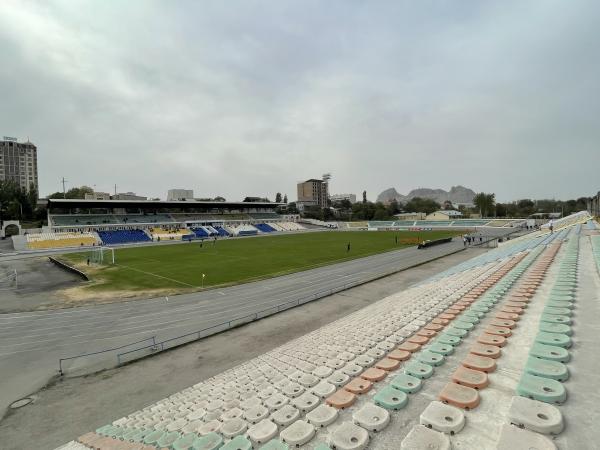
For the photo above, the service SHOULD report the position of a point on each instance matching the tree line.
(17, 203)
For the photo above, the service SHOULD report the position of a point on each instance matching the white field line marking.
(155, 275)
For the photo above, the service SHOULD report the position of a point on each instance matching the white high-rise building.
(18, 162)
(180, 194)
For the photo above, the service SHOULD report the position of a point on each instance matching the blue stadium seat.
(265, 228)
(200, 232)
(222, 232)
(123, 236)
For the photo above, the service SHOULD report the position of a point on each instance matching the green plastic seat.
(448, 339)
(407, 383)
(276, 444)
(168, 439)
(551, 352)
(104, 430)
(554, 370)
(418, 369)
(430, 358)
(153, 437)
(455, 332)
(473, 313)
(321, 446)
(138, 436)
(565, 320)
(442, 349)
(117, 432)
(556, 328)
(468, 319)
(560, 340)
(560, 304)
(487, 303)
(542, 389)
(561, 297)
(462, 325)
(238, 443)
(185, 442)
(210, 441)
(557, 311)
(132, 432)
(479, 307)
(391, 398)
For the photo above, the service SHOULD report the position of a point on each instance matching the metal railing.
(60, 361)
(186, 338)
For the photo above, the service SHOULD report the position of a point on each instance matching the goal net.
(103, 255)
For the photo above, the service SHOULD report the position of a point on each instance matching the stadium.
(299, 225)
(475, 355)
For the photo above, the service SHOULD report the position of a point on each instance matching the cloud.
(248, 97)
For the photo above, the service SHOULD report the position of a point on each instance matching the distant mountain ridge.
(456, 194)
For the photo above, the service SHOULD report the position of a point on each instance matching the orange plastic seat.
(460, 396)
(433, 327)
(447, 316)
(341, 399)
(516, 304)
(399, 355)
(491, 351)
(409, 347)
(508, 309)
(439, 321)
(374, 374)
(509, 316)
(492, 339)
(415, 339)
(482, 363)
(387, 364)
(426, 333)
(498, 331)
(358, 386)
(503, 323)
(472, 378)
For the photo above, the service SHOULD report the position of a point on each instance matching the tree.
(285, 199)
(424, 205)
(393, 207)
(364, 196)
(501, 210)
(16, 202)
(79, 192)
(291, 208)
(219, 199)
(278, 197)
(485, 203)
(525, 207)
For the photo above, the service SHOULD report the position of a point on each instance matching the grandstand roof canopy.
(60, 203)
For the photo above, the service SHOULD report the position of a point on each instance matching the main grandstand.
(76, 223)
(490, 354)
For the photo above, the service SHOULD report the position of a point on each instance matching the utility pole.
(115, 189)
(63, 184)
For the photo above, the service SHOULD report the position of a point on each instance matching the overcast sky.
(239, 98)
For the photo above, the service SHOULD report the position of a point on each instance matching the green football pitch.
(230, 261)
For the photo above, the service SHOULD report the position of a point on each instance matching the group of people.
(468, 240)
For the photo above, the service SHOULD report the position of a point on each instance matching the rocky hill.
(456, 194)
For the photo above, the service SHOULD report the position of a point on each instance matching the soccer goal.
(103, 255)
